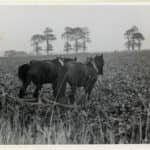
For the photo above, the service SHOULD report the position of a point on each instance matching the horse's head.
(99, 62)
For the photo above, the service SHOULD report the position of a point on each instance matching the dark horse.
(40, 72)
(82, 75)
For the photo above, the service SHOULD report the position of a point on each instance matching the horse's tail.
(23, 71)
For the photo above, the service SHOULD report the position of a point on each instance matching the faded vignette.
(75, 147)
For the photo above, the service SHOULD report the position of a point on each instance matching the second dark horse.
(82, 75)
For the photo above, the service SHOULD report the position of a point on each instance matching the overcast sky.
(107, 24)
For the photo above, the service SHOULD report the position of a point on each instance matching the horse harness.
(94, 66)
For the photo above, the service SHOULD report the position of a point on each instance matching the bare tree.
(128, 44)
(127, 35)
(85, 38)
(67, 35)
(139, 37)
(49, 36)
(131, 43)
(36, 39)
(76, 38)
(67, 47)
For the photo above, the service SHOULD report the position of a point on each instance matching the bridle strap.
(94, 66)
(61, 62)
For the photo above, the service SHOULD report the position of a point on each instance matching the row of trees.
(46, 37)
(134, 38)
(75, 39)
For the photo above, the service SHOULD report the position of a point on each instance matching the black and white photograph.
(74, 74)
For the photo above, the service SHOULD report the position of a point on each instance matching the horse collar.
(94, 66)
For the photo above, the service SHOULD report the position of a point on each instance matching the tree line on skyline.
(133, 38)
(75, 39)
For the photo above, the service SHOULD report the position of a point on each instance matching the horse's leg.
(54, 87)
(61, 85)
(23, 88)
(22, 91)
(36, 92)
(72, 95)
(88, 89)
(88, 92)
(62, 89)
(60, 95)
